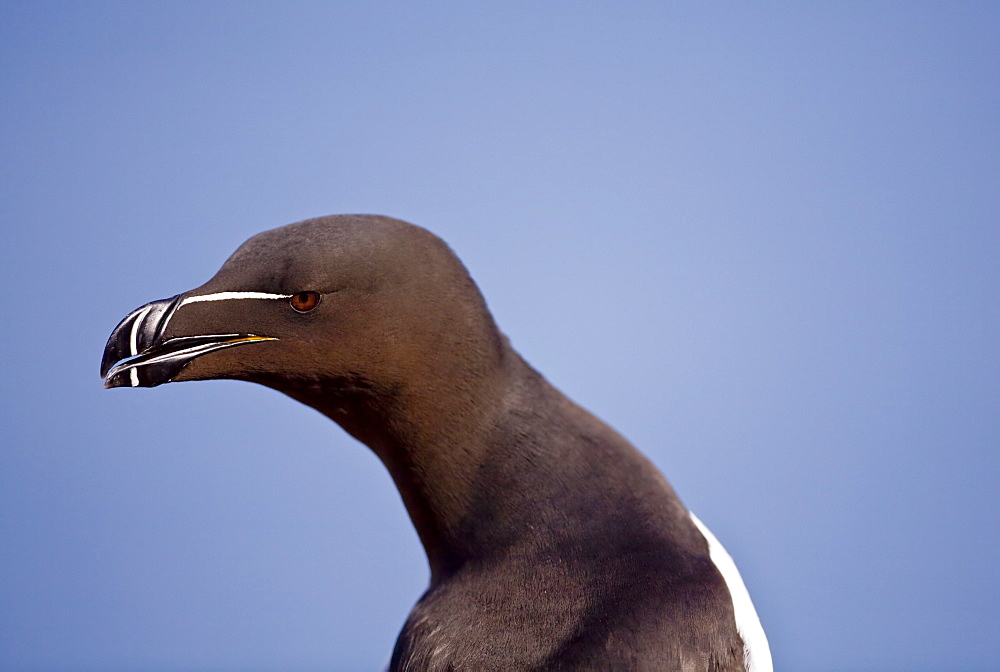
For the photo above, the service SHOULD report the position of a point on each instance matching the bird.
(552, 542)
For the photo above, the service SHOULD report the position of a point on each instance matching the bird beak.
(138, 354)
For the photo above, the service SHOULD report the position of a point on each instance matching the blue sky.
(759, 239)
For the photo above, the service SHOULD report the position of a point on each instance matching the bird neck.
(433, 435)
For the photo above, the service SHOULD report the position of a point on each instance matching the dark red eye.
(304, 301)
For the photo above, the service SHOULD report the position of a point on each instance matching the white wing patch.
(756, 652)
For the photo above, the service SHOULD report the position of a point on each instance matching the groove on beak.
(137, 355)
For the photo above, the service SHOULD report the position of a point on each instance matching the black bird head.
(369, 320)
(330, 303)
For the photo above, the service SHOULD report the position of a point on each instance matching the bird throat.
(434, 470)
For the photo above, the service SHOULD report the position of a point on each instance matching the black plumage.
(553, 544)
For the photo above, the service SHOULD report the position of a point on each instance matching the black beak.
(138, 355)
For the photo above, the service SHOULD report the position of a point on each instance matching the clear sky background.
(759, 239)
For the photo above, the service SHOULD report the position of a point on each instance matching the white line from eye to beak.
(224, 296)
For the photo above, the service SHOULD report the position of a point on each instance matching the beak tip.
(137, 333)
(114, 380)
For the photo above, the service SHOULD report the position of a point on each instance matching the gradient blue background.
(761, 240)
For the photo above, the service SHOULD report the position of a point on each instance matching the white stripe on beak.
(133, 345)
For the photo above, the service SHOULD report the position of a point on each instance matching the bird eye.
(304, 301)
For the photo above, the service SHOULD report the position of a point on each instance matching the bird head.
(343, 300)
